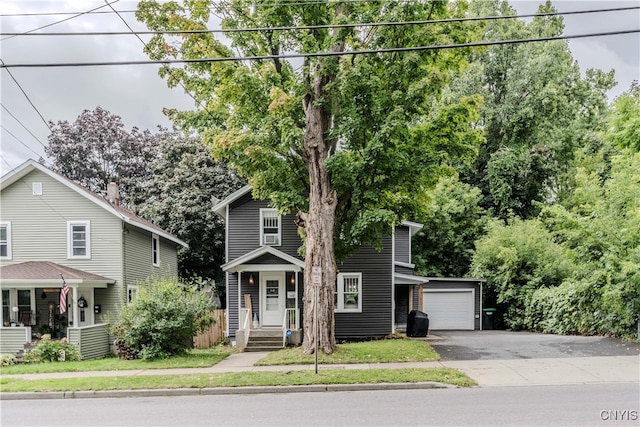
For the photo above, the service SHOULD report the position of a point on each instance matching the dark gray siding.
(403, 244)
(452, 284)
(243, 223)
(232, 303)
(404, 270)
(377, 294)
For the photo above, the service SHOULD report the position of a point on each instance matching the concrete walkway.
(515, 372)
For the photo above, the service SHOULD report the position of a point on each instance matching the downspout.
(393, 279)
(226, 273)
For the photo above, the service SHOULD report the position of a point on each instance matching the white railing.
(245, 322)
(291, 321)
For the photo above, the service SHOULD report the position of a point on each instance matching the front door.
(272, 290)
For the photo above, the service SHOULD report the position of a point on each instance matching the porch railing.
(245, 322)
(290, 321)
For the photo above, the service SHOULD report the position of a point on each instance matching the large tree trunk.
(319, 224)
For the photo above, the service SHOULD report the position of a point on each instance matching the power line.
(320, 54)
(58, 22)
(22, 124)
(95, 12)
(318, 27)
(2, 65)
(20, 141)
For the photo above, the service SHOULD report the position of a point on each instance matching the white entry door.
(272, 291)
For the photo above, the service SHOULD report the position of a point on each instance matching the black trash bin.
(417, 324)
(487, 318)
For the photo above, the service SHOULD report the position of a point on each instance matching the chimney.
(113, 195)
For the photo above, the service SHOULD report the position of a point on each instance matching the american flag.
(63, 296)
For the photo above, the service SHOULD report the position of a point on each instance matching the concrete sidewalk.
(577, 370)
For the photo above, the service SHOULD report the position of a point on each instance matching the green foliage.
(388, 139)
(453, 222)
(49, 350)
(516, 259)
(162, 320)
(624, 121)
(7, 360)
(527, 153)
(178, 198)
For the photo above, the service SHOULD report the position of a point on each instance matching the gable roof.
(242, 263)
(119, 211)
(220, 207)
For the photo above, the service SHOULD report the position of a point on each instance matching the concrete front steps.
(265, 340)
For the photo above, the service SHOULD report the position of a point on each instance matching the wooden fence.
(214, 334)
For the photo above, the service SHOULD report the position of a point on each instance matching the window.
(269, 227)
(5, 240)
(37, 188)
(132, 293)
(79, 242)
(348, 292)
(155, 250)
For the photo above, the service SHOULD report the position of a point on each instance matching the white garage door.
(449, 309)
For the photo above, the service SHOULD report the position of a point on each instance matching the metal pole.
(315, 321)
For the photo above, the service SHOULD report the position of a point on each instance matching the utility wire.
(22, 124)
(318, 27)
(320, 54)
(58, 22)
(219, 3)
(2, 65)
(20, 141)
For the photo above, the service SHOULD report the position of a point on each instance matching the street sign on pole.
(316, 276)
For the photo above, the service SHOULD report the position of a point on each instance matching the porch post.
(74, 305)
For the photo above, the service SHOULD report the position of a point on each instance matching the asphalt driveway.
(507, 345)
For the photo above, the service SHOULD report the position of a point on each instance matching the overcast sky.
(136, 92)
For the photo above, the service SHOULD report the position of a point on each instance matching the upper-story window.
(5, 240)
(37, 188)
(348, 292)
(269, 227)
(155, 250)
(79, 239)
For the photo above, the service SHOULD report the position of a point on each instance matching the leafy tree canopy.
(185, 183)
(96, 149)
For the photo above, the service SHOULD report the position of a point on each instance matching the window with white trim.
(155, 250)
(132, 293)
(36, 188)
(269, 227)
(348, 292)
(78, 239)
(5, 240)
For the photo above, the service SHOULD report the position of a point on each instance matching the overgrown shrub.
(516, 259)
(162, 320)
(49, 350)
(8, 360)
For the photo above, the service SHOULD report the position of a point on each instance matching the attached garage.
(453, 304)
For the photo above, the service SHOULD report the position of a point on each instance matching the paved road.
(567, 405)
(506, 345)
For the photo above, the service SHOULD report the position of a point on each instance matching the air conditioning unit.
(271, 239)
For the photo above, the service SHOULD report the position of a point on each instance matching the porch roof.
(408, 279)
(47, 273)
(242, 263)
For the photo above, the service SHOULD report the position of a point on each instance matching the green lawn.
(193, 359)
(241, 379)
(381, 351)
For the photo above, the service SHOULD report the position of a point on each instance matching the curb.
(314, 388)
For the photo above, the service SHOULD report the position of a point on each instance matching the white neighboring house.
(51, 228)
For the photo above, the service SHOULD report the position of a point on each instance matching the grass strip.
(193, 359)
(241, 379)
(382, 351)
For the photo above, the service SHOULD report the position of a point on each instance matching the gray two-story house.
(53, 230)
(374, 291)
